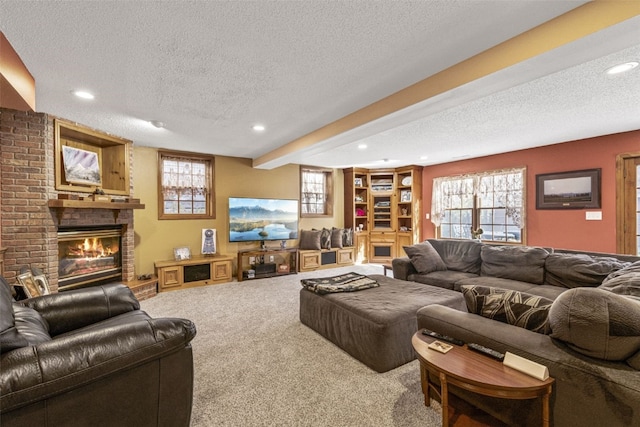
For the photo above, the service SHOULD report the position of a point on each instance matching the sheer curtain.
(508, 186)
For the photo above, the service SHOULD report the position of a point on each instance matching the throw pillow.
(347, 237)
(425, 258)
(336, 237)
(325, 238)
(507, 306)
(625, 281)
(310, 240)
(597, 323)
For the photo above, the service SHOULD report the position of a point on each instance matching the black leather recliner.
(91, 357)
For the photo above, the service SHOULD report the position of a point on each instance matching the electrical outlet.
(427, 216)
(270, 258)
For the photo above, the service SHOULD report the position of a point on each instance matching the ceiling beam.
(17, 85)
(569, 27)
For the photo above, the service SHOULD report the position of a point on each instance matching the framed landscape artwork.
(81, 166)
(568, 190)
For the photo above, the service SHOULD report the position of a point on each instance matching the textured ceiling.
(211, 69)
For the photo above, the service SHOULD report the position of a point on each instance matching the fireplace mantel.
(62, 204)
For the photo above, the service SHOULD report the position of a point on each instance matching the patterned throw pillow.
(515, 308)
(425, 258)
(347, 237)
(325, 238)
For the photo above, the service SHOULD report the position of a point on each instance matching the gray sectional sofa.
(581, 316)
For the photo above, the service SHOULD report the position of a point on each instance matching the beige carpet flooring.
(257, 365)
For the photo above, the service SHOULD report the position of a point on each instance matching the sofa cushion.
(10, 339)
(424, 258)
(523, 263)
(30, 325)
(634, 361)
(310, 240)
(507, 306)
(446, 279)
(336, 237)
(494, 282)
(625, 281)
(459, 255)
(597, 323)
(576, 270)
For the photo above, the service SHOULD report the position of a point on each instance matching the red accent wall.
(566, 229)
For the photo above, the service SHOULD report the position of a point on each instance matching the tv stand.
(266, 262)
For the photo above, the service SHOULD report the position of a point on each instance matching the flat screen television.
(259, 220)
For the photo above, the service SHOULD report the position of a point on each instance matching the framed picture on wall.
(568, 190)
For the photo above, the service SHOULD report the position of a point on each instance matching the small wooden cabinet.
(310, 260)
(197, 271)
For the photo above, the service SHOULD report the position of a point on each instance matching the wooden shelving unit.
(266, 262)
(387, 203)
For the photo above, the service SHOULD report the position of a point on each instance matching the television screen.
(253, 220)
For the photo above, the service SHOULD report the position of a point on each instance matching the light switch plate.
(593, 215)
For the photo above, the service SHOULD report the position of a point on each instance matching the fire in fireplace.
(89, 256)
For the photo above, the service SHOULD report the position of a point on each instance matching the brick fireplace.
(29, 225)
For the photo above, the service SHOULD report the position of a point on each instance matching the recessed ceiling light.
(621, 68)
(83, 94)
(362, 146)
(424, 157)
(157, 123)
(258, 128)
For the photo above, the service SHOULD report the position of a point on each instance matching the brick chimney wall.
(29, 226)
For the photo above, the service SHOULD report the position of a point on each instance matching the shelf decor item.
(208, 241)
(182, 253)
(29, 285)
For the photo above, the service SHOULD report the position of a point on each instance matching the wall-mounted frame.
(568, 190)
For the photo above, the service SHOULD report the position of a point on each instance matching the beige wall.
(155, 240)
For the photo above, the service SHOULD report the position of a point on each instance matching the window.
(316, 192)
(491, 201)
(186, 188)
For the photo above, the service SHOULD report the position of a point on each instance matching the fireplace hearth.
(89, 256)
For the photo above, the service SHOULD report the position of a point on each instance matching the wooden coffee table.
(477, 373)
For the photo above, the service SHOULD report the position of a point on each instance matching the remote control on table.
(442, 337)
(485, 350)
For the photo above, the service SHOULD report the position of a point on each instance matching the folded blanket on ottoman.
(344, 283)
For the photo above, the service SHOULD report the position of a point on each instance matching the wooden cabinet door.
(310, 260)
(221, 270)
(170, 277)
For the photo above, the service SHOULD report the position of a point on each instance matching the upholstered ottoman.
(374, 325)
